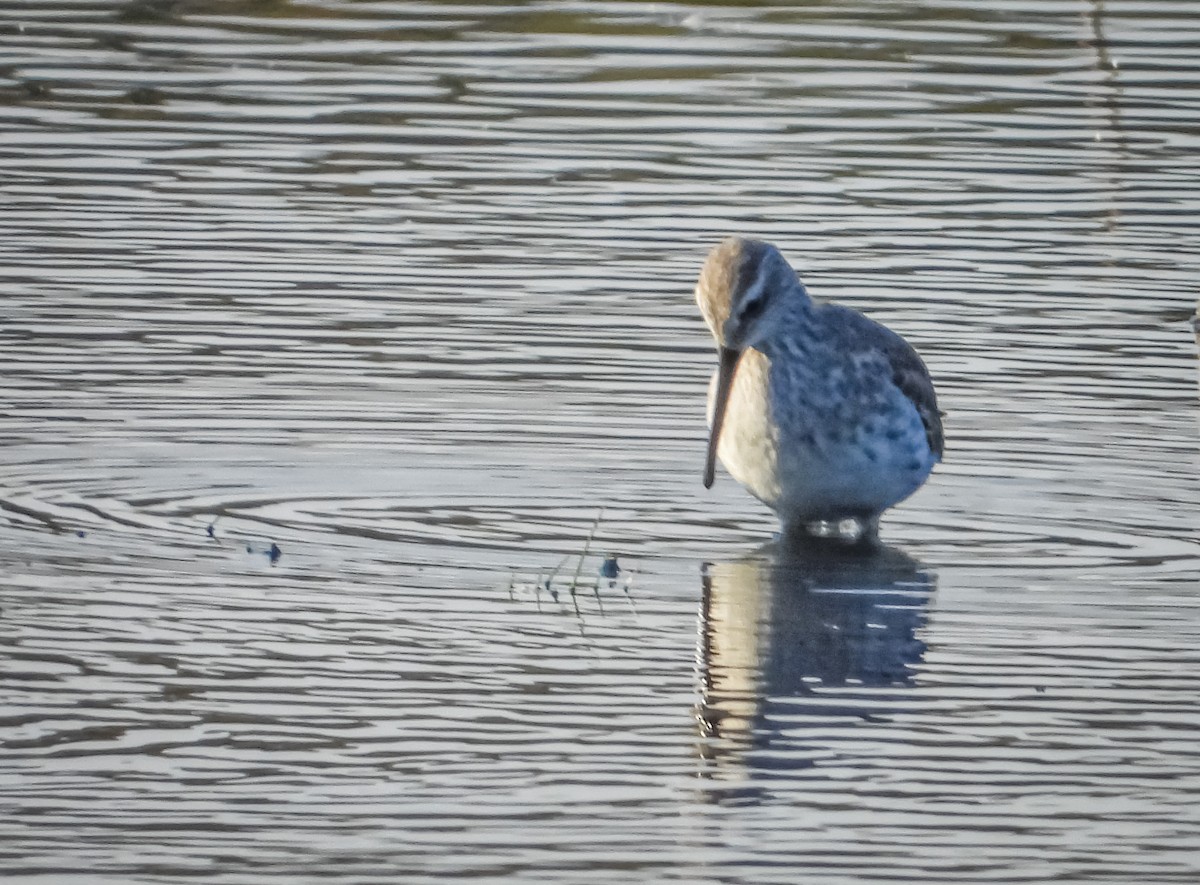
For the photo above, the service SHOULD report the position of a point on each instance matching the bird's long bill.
(726, 368)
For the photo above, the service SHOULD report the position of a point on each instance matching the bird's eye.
(753, 307)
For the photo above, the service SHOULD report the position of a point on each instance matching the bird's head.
(746, 293)
(745, 290)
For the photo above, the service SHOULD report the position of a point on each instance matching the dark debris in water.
(273, 553)
(145, 95)
(609, 568)
(148, 11)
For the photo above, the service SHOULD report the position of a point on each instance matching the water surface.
(405, 290)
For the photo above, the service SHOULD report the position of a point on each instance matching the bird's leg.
(868, 537)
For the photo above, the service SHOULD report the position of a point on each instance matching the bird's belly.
(850, 479)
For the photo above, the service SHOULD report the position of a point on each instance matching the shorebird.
(822, 414)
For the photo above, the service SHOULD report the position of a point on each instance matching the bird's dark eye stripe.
(754, 307)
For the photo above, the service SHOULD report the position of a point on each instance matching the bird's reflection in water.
(798, 636)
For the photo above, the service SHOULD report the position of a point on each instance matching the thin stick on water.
(586, 546)
(554, 571)
(550, 577)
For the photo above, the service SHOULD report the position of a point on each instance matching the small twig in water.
(586, 546)
(629, 575)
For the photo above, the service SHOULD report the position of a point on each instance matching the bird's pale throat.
(727, 364)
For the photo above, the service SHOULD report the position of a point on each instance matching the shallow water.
(405, 289)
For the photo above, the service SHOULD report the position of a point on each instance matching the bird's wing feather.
(908, 369)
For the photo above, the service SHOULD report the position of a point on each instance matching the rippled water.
(405, 290)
